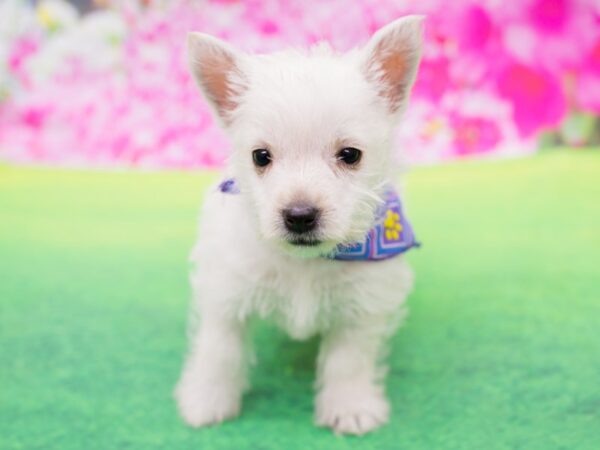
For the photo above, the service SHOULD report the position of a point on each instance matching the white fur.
(303, 107)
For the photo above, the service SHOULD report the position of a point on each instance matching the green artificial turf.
(501, 350)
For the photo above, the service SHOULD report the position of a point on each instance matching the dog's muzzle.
(391, 235)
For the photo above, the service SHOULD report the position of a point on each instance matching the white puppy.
(293, 233)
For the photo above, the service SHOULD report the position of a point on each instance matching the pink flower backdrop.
(111, 87)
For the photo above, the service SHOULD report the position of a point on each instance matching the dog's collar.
(391, 235)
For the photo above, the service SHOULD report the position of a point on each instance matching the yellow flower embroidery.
(392, 225)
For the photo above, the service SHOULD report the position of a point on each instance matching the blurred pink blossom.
(536, 95)
(587, 87)
(474, 135)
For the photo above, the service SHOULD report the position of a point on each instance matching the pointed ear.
(216, 69)
(392, 59)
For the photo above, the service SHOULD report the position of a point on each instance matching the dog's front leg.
(350, 398)
(211, 385)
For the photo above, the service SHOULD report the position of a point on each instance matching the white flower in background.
(56, 15)
(94, 41)
(104, 32)
(16, 18)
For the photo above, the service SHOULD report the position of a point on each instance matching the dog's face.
(311, 131)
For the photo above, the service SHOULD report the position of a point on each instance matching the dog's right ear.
(216, 69)
(392, 59)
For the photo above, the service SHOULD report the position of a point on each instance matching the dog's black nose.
(300, 218)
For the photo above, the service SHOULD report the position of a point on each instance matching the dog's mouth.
(306, 246)
(304, 242)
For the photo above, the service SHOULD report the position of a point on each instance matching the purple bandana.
(391, 235)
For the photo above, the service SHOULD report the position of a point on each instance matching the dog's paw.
(352, 409)
(202, 404)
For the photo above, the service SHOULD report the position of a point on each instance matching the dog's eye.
(261, 157)
(349, 155)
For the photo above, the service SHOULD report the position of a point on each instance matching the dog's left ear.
(392, 58)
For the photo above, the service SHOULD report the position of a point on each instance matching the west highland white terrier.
(306, 228)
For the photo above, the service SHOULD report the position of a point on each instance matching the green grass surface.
(501, 350)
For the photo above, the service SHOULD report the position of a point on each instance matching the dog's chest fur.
(302, 300)
(306, 298)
